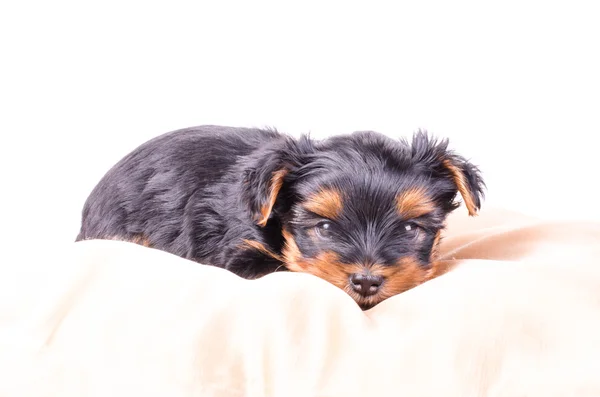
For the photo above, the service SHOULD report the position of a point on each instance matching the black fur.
(198, 192)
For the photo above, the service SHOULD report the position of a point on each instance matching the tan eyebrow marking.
(413, 203)
(327, 203)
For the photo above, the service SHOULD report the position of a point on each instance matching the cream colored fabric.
(518, 315)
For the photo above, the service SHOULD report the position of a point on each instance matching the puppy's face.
(365, 212)
(368, 233)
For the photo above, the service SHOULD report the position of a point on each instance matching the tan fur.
(327, 203)
(275, 186)
(414, 203)
(461, 183)
(406, 274)
(260, 247)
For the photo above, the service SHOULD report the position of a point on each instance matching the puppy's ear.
(468, 181)
(266, 172)
(466, 177)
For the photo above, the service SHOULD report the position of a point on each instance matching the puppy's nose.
(365, 284)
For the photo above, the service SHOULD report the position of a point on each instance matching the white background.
(514, 84)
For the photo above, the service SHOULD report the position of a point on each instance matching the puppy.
(362, 211)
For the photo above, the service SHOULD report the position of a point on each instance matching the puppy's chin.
(368, 303)
(367, 306)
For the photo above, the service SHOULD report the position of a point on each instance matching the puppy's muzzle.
(366, 284)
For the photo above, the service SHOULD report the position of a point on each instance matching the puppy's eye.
(411, 227)
(324, 230)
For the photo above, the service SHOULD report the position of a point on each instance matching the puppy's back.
(155, 181)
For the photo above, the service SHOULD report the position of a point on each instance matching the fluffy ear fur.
(465, 176)
(266, 172)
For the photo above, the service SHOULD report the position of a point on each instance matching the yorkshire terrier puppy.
(362, 211)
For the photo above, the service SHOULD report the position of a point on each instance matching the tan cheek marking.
(327, 203)
(291, 253)
(413, 203)
(407, 274)
(462, 185)
(326, 265)
(275, 186)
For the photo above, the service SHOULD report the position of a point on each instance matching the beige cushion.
(517, 315)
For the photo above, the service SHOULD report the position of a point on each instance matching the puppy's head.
(363, 211)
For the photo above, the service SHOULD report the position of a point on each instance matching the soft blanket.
(517, 314)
